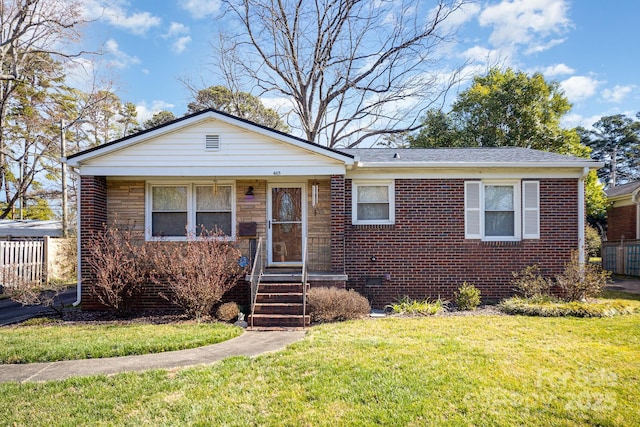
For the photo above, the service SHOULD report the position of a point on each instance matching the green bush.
(228, 311)
(331, 304)
(593, 242)
(547, 306)
(467, 297)
(426, 307)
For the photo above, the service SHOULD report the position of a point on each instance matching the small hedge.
(228, 311)
(467, 297)
(333, 304)
(552, 307)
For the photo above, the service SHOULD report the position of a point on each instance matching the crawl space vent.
(212, 142)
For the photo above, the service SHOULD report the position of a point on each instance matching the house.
(621, 251)
(385, 222)
(624, 213)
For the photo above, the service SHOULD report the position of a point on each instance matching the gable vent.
(212, 142)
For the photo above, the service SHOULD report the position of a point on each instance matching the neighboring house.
(621, 251)
(624, 213)
(385, 222)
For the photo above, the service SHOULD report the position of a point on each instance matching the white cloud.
(618, 93)
(200, 9)
(578, 88)
(120, 59)
(526, 22)
(180, 45)
(557, 70)
(145, 112)
(114, 12)
(176, 29)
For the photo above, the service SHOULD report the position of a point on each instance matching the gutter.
(440, 165)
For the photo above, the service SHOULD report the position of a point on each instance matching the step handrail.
(304, 281)
(256, 274)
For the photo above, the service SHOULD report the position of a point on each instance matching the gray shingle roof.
(623, 189)
(464, 156)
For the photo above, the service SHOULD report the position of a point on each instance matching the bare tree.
(353, 69)
(32, 34)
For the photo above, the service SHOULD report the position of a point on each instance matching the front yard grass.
(466, 370)
(53, 342)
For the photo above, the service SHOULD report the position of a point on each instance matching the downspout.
(78, 243)
(581, 216)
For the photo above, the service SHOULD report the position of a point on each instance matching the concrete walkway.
(251, 343)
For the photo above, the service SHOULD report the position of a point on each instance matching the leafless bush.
(228, 311)
(330, 304)
(529, 283)
(118, 260)
(580, 281)
(197, 273)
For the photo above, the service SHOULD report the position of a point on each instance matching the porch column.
(91, 218)
(337, 223)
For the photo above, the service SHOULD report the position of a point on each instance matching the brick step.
(278, 308)
(280, 288)
(279, 320)
(263, 298)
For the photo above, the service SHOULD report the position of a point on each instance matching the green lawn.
(471, 370)
(47, 343)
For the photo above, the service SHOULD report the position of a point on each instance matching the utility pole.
(63, 170)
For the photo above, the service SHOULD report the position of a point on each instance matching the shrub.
(118, 260)
(580, 281)
(593, 242)
(426, 307)
(529, 283)
(467, 297)
(197, 273)
(547, 306)
(228, 311)
(331, 304)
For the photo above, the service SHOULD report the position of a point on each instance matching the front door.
(286, 225)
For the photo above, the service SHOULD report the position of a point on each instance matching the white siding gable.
(184, 152)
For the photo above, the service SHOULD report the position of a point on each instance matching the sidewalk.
(251, 343)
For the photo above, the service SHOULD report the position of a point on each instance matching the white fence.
(22, 262)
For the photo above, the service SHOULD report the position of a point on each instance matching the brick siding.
(621, 223)
(425, 253)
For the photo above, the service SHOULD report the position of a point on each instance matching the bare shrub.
(529, 283)
(330, 304)
(118, 260)
(580, 281)
(228, 311)
(197, 273)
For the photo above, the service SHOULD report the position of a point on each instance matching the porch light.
(249, 191)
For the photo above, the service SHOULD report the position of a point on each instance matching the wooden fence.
(621, 257)
(23, 262)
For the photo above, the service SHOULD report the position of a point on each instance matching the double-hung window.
(175, 210)
(373, 202)
(502, 210)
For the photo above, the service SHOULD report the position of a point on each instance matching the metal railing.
(305, 260)
(256, 274)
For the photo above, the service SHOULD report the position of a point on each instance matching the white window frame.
(191, 207)
(517, 210)
(373, 183)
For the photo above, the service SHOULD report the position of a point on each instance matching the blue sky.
(588, 46)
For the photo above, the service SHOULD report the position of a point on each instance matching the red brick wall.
(93, 216)
(621, 223)
(425, 254)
